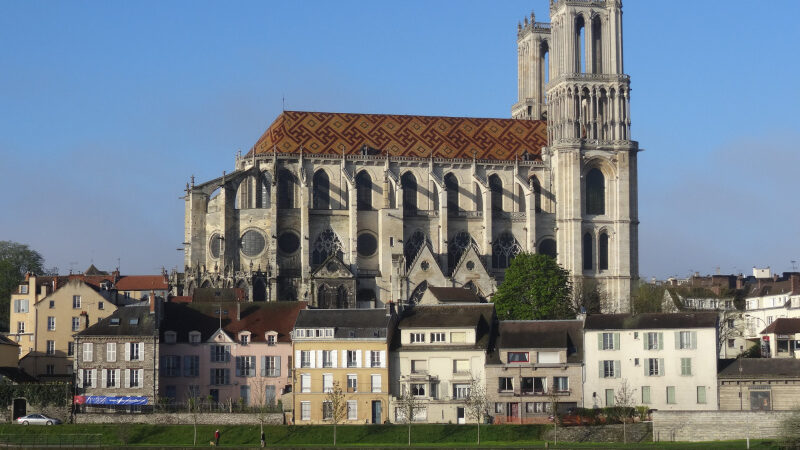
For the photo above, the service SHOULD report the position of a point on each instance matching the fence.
(51, 440)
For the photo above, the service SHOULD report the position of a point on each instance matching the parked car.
(37, 419)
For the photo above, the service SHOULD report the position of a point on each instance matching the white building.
(771, 300)
(669, 361)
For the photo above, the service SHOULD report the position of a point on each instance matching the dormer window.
(23, 288)
(244, 337)
(170, 337)
(417, 338)
(328, 332)
(134, 321)
(272, 338)
(194, 337)
(518, 357)
(300, 333)
(115, 321)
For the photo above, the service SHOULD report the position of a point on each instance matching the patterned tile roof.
(414, 136)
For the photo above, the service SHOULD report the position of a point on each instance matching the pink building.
(227, 351)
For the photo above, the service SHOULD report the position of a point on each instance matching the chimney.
(795, 279)
(152, 302)
(238, 311)
(740, 282)
(115, 276)
(27, 275)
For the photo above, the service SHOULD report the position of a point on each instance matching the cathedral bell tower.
(593, 159)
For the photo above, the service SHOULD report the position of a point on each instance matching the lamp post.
(760, 343)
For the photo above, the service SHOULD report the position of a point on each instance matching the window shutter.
(211, 377)
(661, 341)
(297, 362)
(141, 378)
(80, 378)
(227, 353)
(263, 366)
(227, 376)
(334, 358)
(344, 358)
(102, 378)
(602, 373)
(186, 365)
(617, 369)
(319, 358)
(358, 358)
(661, 367)
(117, 381)
(599, 341)
(278, 365)
(238, 366)
(125, 379)
(94, 378)
(312, 359)
(383, 359)
(694, 339)
(127, 351)
(677, 340)
(645, 339)
(646, 365)
(616, 341)
(141, 351)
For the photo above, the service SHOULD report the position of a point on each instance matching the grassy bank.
(308, 435)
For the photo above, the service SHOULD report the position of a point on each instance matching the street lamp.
(760, 342)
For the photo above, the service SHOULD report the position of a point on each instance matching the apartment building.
(116, 363)
(535, 364)
(438, 352)
(781, 339)
(22, 315)
(664, 361)
(348, 347)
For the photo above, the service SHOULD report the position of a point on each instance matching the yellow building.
(56, 318)
(22, 317)
(344, 346)
(9, 352)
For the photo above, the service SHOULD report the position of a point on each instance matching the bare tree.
(731, 326)
(624, 401)
(194, 409)
(409, 405)
(338, 406)
(477, 402)
(554, 400)
(263, 399)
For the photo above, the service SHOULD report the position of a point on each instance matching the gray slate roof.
(454, 295)
(772, 368)
(651, 321)
(145, 325)
(365, 323)
(478, 316)
(540, 334)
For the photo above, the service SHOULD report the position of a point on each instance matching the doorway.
(460, 415)
(20, 408)
(376, 411)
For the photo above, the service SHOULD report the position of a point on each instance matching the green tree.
(15, 260)
(535, 288)
(589, 297)
(648, 298)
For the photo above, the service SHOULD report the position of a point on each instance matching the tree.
(555, 400)
(409, 404)
(15, 260)
(647, 298)
(194, 409)
(589, 298)
(338, 406)
(477, 402)
(535, 288)
(264, 399)
(623, 400)
(790, 430)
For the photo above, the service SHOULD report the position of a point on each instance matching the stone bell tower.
(593, 159)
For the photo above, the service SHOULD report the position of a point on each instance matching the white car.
(37, 419)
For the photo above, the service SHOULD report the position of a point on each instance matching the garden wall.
(716, 425)
(181, 418)
(635, 432)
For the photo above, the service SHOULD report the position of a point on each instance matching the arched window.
(327, 243)
(259, 290)
(545, 63)
(341, 298)
(417, 293)
(536, 188)
(548, 247)
(587, 251)
(243, 199)
(520, 199)
(504, 249)
(597, 47)
(287, 185)
(496, 187)
(322, 190)
(414, 244)
(602, 252)
(451, 184)
(478, 198)
(580, 44)
(363, 191)
(457, 246)
(262, 191)
(409, 183)
(326, 297)
(434, 197)
(595, 192)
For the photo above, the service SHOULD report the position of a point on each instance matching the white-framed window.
(51, 323)
(70, 348)
(352, 410)
(76, 301)
(305, 382)
(23, 288)
(245, 366)
(51, 347)
(610, 341)
(305, 358)
(220, 353)
(687, 339)
(21, 305)
(76, 324)
(111, 378)
(376, 383)
(327, 358)
(194, 337)
(518, 357)
(327, 410)
(537, 407)
(460, 366)
(328, 333)
(608, 369)
(352, 358)
(88, 351)
(134, 378)
(417, 338)
(460, 390)
(654, 366)
(305, 410)
(437, 337)
(20, 327)
(100, 305)
(561, 384)
(327, 382)
(418, 389)
(653, 341)
(686, 366)
(134, 351)
(271, 366)
(88, 378)
(244, 339)
(419, 366)
(506, 384)
(352, 383)
(111, 351)
(375, 359)
(270, 339)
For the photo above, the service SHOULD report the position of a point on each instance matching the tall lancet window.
(595, 192)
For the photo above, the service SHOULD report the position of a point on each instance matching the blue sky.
(107, 109)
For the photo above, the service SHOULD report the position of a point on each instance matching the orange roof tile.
(416, 136)
(141, 283)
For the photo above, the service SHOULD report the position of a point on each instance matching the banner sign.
(103, 400)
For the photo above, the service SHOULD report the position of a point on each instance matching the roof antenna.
(283, 103)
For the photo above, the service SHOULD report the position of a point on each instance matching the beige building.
(668, 361)
(57, 316)
(9, 352)
(759, 384)
(22, 316)
(781, 339)
(535, 363)
(441, 351)
(408, 202)
(345, 347)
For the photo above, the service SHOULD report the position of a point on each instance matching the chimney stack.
(795, 279)
(152, 301)
(238, 311)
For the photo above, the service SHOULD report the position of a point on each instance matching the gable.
(332, 268)
(426, 268)
(220, 336)
(471, 269)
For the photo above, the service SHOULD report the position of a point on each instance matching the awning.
(104, 400)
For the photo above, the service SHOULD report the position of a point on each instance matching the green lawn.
(311, 436)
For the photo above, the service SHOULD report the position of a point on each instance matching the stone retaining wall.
(716, 425)
(181, 418)
(636, 432)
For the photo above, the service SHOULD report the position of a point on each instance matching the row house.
(769, 300)
(759, 384)
(664, 361)
(438, 353)
(534, 365)
(116, 361)
(781, 339)
(344, 347)
(240, 356)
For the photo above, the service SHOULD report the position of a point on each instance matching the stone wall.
(181, 418)
(58, 412)
(636, 432)
(716, 425)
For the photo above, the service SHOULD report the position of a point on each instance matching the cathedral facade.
(356, 210)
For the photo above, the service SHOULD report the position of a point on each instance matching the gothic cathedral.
(356, 210)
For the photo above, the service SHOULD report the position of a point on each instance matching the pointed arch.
(451, 185)
(326, 244)
(434, 197)
(520, 198)
(457, 246)
(287, 190)
(341, 298)
(536, 189)
(602, 251)
(363, 191)
(259, 290)
(417, 293)
(496, 188)
(595, 192)
(504, 249)
(548, 247)
(414, 244)
(409, 183)
(478, 198)
(588, 243)
(597, 45)
(322, 190)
